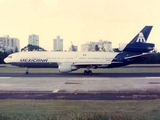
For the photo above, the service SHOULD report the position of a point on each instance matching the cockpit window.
(9, 56)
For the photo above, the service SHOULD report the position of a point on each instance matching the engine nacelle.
(137, 47)
(65, 67)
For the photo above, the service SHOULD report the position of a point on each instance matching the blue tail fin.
(138, 43)
(142, 36)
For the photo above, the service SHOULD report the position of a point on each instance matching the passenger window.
(9, 56)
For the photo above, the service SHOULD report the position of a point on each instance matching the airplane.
(136, 50)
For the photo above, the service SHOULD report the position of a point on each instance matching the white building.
(7, 44)
(75, 48)
(58, 44)
(86, 47)
(33, 40)
(103, 46)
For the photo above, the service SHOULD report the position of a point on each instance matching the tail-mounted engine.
(137, 47)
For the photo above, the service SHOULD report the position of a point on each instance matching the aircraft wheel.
(27, 69)
(85, 72)
(89, 72)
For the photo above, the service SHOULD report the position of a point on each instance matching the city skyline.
(79, 21)
(9, 44)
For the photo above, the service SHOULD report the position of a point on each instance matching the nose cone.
(6, 60)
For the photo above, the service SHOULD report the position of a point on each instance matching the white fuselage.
(62, 57)
(52, 59)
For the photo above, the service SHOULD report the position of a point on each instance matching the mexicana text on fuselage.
(33, 60)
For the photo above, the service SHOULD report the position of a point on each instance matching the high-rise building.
(58, 44)
(102, 45)
(85, 47)
(7, 44)
(33, 40)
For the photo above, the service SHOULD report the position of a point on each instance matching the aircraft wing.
(97, 63)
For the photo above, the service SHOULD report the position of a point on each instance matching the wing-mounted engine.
(67, 67)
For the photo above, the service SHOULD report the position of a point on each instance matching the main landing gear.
(88, 72)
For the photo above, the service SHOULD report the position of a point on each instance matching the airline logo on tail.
(141, 38)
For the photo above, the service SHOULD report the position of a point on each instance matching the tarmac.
(81, 85)
(76, 86)
(84, 88)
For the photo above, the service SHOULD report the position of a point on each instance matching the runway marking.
(6, 85)
(72, 83)
(56, 90)
(143, 77)
(152, 77)
(5, 77)
(154, 82)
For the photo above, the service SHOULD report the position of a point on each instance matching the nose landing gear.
(27, 69)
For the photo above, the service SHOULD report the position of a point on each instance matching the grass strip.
(79, 110)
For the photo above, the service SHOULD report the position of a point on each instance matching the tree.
(16, 49)
(103, 49)
(2, 56)
(96, 48)
(73, 47)
(30, 47)
(116, 50)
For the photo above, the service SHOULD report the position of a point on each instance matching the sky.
(79, 21)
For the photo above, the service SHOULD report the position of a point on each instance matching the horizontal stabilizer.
(135, 56)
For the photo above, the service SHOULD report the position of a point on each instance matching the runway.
(83, 84)
(15, 84)
(79, 88)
